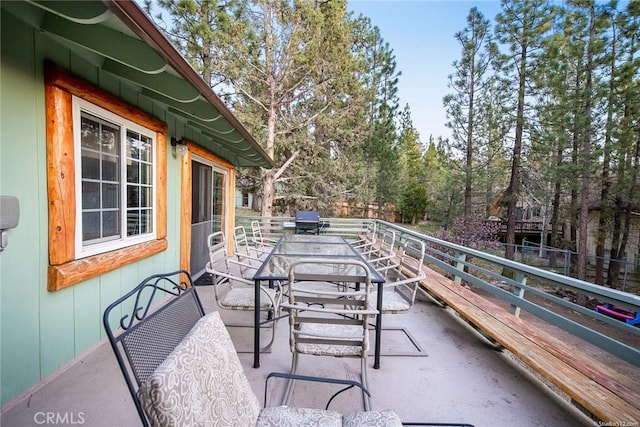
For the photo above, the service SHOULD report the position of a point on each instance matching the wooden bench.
(594, 387)
(598, 390)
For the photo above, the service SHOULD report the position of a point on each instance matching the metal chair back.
(148, 322)
(328, 305)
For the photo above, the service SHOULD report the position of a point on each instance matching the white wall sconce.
(179, 146)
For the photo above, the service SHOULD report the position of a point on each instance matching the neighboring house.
(530, 218)
(122, 161)
(246, 198)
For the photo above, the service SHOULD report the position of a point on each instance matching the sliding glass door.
(208, 209)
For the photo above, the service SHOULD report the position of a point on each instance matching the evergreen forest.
(543, 106)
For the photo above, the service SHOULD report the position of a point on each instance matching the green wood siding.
(42, 331)
(22, 159)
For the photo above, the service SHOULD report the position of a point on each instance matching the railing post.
(519, 292)
(462, 257)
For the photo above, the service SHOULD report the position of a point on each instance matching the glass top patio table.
(293, 247)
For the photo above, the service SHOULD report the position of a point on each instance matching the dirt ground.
(594, 351)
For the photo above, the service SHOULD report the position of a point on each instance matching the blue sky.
(421, 34)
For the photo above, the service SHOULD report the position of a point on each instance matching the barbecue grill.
(307, 222)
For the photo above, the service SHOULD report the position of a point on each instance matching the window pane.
(110, 195)
(90, 195)
(110, 168)
(110, 138)
(90, 165)
(201, 197)
(133, 196)
(100, 149)
(90, 133)
(90, 226)
(145, 174)
(218, 200)
(133, 145)
(133, 171)
(145, 197)
(110, 223)
(145, 149)
(133, 222)
(139, 146)
(145, 221)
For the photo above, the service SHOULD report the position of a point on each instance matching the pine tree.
(521, 27)
(414, 192)
(468, 82)
(288, 68)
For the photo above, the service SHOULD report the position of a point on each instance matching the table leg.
(256, 327)
(376, 357)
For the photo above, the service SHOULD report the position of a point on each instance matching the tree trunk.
(605, 208)
(586, 156)
(268, 180)
(469, 151)
(515, 165)
(555, 215)
(614, 253)
(573, 209)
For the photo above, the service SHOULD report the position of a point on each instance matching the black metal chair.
(148, 322)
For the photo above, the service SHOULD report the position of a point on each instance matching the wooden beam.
(74, 272)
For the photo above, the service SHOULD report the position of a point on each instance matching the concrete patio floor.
(456, 377)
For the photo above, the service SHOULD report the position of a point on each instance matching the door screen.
(207, 210)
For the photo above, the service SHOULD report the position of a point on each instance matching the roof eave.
(136, 19)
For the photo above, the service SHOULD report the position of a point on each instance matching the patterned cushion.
(244, 298)
(310, 330)
(285, 416)
(392, 302)
(386, 418)
(201, 383)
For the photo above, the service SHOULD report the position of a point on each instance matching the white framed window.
(115, 188)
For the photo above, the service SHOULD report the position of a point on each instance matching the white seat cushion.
(345, 332)
(201, 383)
(244, 298)
(386, 418)
(285, 416)
(392, 302)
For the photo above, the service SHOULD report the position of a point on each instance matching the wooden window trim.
(64, 270)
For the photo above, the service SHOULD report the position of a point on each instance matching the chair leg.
(288, 391)
(365, 384)
(267, 347)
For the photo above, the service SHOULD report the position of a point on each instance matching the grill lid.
(308, 217)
